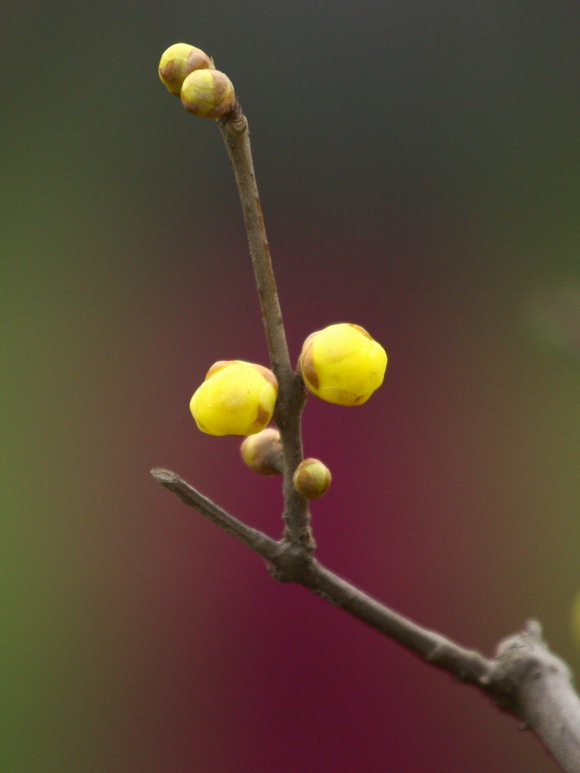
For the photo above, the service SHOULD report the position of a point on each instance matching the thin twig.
(234, 128)
(236, 134)
(255, 540)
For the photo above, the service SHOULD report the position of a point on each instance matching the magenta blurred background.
(418, 169)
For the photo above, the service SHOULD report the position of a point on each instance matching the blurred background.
(418, 168)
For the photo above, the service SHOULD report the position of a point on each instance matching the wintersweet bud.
(236, 398)
(178, 61)
(343, 364)
(209, 93)
(263, 452)
(312, 478)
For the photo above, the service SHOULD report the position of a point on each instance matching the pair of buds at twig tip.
(188, 72)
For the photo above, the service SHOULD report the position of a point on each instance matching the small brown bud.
(312, 478)
(263, 452)
(209, 93)
(178, 61)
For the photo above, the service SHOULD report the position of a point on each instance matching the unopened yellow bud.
(178, 61)
(236, 398)
(209, 93)
(342, 364)
(312, 478)
(263, 452)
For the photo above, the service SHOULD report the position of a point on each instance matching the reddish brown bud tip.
(209, 93)
(312, 478)
(263, 452)
(178, 61)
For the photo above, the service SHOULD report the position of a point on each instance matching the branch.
(542, 693)
(291, 398)
(234, 128)
(253, 539)
(524, 679)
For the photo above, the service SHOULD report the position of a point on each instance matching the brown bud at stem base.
(263, 452)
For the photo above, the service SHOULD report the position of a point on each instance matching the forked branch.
(524, 679)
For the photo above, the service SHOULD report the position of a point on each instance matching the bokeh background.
(418, 168)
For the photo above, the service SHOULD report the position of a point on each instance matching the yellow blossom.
(236, 398)
(342, 364)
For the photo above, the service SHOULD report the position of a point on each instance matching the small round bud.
(236, 398)
(263, 452)
(342, 364)
(178, 61)
(209, 93)
(312, 478)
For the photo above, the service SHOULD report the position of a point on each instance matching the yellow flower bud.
(342, 364)
(263, 452)
(312, 478)
(236, 398)
(209, 93)
(178, 61)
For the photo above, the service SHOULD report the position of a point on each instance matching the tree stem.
(251, 538)
(291, 397)
(235, 131)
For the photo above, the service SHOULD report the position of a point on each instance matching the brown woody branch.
(524, 679)
(291, 398)
(255, 540)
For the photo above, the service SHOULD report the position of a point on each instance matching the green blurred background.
(419, 173)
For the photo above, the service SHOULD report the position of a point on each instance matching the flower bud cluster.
(189, 73)
(341, 364)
